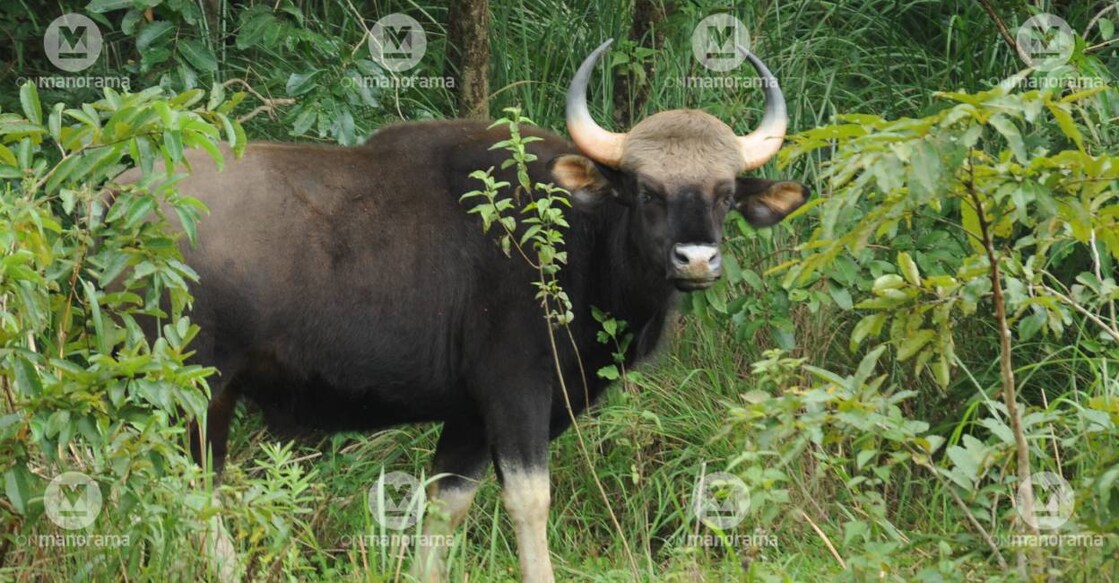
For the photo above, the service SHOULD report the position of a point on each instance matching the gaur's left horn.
(602, 146)
(760, 145)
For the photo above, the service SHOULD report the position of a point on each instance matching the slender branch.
(1006, 365)
(1113, 332)
(268, 104)
(1005, 32)
(970, 517)
(824, 538)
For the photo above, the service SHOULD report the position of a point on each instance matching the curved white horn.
(595, 142)
(760, 145)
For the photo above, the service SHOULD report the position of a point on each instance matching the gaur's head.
(678, 172)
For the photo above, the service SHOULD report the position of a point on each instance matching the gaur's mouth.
(690, 285)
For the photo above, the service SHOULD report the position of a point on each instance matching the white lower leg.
(219, 547)
(447, 508)
(527, 497)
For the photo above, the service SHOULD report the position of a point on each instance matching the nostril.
(679, 256)
(715, 261)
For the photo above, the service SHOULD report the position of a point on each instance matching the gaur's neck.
(608, 273)
(620, 282)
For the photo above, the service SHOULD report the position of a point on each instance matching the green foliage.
(1013, 183)
(968, 168)
(836, 482)
(614, 334)
(87, 266)
(541, 232)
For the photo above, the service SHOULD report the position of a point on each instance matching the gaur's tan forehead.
(684, 145)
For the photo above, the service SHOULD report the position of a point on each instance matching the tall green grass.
(650, 438)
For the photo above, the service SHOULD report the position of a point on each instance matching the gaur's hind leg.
(463, 455)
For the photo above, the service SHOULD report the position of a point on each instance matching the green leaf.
(1013, 137)
(17, 487)
(841, 296)
(867, 364)
(888, 282)
(914, 343)
(27, 378)
(942, 371)
(1066, 123)
(104, 345)
(1107, 29)
(869, 326)
(300, 83)
(254, 28)
(100, 6)
(153, 34)
(198, 55)
(909, 268)
(609, 373)
(173, 145)
(969, 218)
(7, 157)
(924, 170)
(29, 100)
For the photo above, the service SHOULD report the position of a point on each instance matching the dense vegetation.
(884, 371)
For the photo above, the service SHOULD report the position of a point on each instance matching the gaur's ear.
(766, 202)
(589, 183)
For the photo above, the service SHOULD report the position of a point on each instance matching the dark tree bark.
(468, 54)
(647, 31)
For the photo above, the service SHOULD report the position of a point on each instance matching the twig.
(268, 104)
(1098, 16)
(823, 537)
(1006, 365)
(1005, 32)
(970, 517)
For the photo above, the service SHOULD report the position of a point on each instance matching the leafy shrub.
(86, 268)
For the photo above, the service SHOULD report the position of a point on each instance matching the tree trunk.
(631, 94)
(468, 54)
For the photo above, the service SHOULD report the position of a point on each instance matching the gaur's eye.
(726, 201)
(649, 194)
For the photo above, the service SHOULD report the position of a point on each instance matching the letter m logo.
(720, 41)
(72, 40)
(398, 40)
